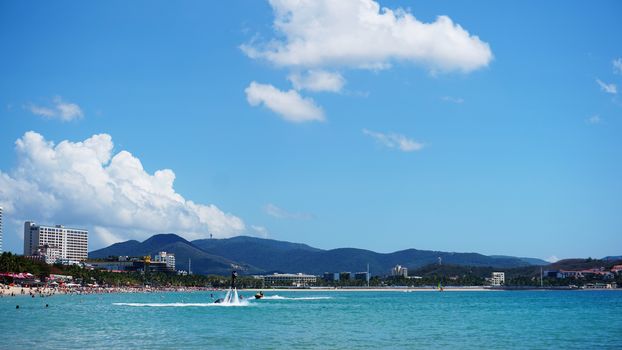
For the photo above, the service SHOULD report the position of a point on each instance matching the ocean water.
(318, 320)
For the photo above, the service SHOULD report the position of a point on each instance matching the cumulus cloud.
(85, 183)
(396, 141)
(595, 119)
(62, 110)
(617, 66)
(288, 104)
(315, 38)
(317, 80)
(608, 88)
(361, 34)
(281, 213)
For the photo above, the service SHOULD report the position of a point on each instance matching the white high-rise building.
(497, 278)
(68, 243)
(399, 270)
(0, 230)
(168, 258)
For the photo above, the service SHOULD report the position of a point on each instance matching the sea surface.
(317, 320)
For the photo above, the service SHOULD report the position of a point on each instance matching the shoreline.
(17, 291)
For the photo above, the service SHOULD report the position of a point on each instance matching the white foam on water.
(162, 304)
(232, 299)
(278, 297)
(242, 303)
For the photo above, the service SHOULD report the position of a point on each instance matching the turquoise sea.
(320, 320)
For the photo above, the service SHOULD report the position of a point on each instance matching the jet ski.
(259, 295)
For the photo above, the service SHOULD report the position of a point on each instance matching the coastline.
(17, 291)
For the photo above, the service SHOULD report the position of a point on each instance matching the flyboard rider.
(234, 276)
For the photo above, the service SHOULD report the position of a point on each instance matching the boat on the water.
(259, 295)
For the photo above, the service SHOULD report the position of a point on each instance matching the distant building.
(47, 253)
(578, 274)
(168, 258)
(289, 279)
(345, 276)
(497, 279)
(114, 266)
(362, 276)
(124, 264)
(399, 271)
(331, 276)
(1, 230)
(69, 243)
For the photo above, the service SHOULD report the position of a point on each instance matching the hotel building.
(57, 241)
(497, 279)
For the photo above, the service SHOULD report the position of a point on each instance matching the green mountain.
(251, 255)
(278, 256)
(202, 262)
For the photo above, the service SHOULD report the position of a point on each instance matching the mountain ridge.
(253, 255)
(202, 262)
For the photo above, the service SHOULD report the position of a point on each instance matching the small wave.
(278, 297)
(242, 303)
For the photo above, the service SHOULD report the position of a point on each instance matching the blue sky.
(495, 129)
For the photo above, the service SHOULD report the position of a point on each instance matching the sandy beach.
(6, 291)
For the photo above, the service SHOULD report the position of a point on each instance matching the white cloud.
(317, 80)
(281, 213)
(608, 88)
(288, 104)
(359, 34)
(65, 111)
(106, 236)
(397, 141)
(595, 119)
(617, 66)
(260, 231)
(84, 183)
(457, 100)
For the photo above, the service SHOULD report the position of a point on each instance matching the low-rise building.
(124, 264)
(50, 254)
(331, 276)
(587, 273)
(289, 279)
(362, 276)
